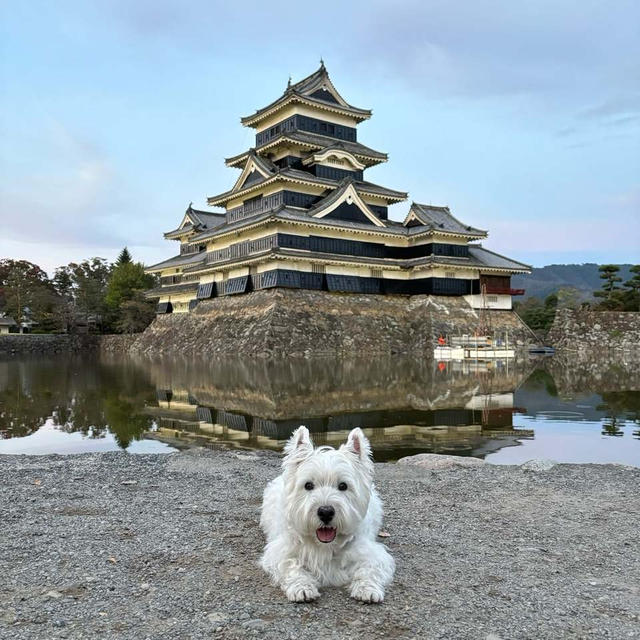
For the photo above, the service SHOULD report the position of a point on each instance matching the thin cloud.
(64, 196)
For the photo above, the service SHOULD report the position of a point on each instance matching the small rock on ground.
(436, 461)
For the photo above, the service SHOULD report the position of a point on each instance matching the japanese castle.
(302, 215)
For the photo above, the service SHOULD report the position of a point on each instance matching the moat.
(504, 412)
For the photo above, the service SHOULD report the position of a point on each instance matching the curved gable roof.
(345, 193)
(316, 89)
(439, 218)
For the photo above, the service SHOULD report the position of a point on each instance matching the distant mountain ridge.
(548, 279)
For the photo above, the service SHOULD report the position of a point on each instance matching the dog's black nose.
(326, 514)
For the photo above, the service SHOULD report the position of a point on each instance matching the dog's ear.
(298, 447)
(358, 444)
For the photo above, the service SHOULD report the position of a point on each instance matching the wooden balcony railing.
(506, 291)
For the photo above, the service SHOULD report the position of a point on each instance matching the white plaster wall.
(490, 301)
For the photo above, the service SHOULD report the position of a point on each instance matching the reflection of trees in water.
(621, 406)
(542, 379)
(125, 424)
(79, 396)
(562, 377)
(611, 427)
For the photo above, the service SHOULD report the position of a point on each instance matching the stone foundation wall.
(579, 330)
(46, 344)
(284, 322)
(117, 343)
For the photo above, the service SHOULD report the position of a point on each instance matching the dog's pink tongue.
(326, 534)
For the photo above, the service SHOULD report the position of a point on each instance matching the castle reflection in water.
(404, 406)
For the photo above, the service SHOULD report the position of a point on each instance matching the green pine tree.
(130, 311)
(124, 257)
(610, 290)
(631, 295)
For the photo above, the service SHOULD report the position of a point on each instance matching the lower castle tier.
(301, 215)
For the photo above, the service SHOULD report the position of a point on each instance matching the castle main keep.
(302, 215)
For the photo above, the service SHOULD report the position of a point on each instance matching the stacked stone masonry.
(282, 322)
(580, 330)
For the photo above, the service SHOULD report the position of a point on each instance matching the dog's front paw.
(367, 592)
(302, 593)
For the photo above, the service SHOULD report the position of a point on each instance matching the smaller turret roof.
(196, 219)
(439, 218)
(493, 260)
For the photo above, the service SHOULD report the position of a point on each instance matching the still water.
(506, 413)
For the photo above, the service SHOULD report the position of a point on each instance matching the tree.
(136, 314)
(125, 280)
(536, 314)
(83, 287)
(124, 257)
(26, 292)
(568, 298)
(65, 308)
(609, 292)
(130, 311)
(631, 296)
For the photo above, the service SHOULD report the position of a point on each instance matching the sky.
(522, 117)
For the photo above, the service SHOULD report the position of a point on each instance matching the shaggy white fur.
(321, 517)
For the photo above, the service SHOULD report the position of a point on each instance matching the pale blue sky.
(523, 117)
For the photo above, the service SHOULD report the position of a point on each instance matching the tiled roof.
(7, 321)
(201, 220)
(317, 89)
(361, 185)
(318, 143)
(490, 259)
(172, 288)
(297, 174)
(338, 193)
(177, 261)
(208, 218)
(322, 142)
(440, 218)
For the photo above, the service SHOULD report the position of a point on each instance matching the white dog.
(321, 518)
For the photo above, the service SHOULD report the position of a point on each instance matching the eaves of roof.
(291, 96)
(172, 288)
(303, 177)
(176, 261)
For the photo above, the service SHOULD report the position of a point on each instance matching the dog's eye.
(342, 486)
(308, 486)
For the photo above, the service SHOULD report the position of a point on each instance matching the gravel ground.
(149, 546)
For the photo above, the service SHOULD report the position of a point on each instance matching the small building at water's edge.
(302, 215)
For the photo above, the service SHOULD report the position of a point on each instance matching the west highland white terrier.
(321, 517)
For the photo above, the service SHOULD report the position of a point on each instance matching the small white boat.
(464, 353)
